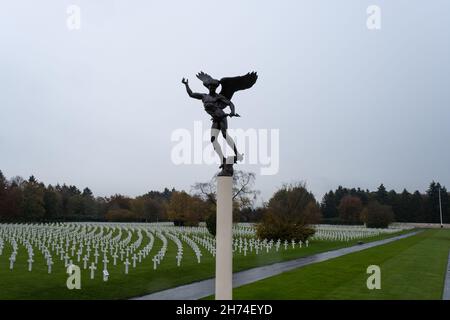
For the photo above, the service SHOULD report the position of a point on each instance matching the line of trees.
(345, 205)
(32, 200)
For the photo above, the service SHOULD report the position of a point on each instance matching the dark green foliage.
(251, 214)
(211, 223)
(382, 195)
(377, 215)
(275, 228)
(294, 203)
(33, 202)
(331, 201)
(52, 203)
(407, 207)
(328, 206)
(418, 205)
(432, 203)
(289, 211)
(403, 207)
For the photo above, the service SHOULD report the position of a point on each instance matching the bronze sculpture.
(214, 104)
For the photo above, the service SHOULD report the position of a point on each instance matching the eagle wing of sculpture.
(204, 77)
(232, 84)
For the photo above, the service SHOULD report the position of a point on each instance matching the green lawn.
(412, 268)
(38, 284)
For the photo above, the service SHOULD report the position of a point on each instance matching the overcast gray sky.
(96, 107)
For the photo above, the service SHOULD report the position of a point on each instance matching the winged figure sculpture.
(215, 103)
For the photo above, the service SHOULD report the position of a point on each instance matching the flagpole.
(440, 206)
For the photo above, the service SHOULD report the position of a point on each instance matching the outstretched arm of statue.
(231, 105)
(189, 91)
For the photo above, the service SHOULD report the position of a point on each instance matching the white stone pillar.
(224, 251)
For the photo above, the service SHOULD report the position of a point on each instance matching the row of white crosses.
(194, 246)
(207, 242)
(59, 240)
(14, 250)
(98, 247)
(241, 244)
(244, 245)
(157, 258)
(179, 244)
(348, 233)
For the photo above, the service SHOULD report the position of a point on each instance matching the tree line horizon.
(33, 201)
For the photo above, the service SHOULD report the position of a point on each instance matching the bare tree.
(243, 193)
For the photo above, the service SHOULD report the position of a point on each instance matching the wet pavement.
(446, 295)
(201, 289)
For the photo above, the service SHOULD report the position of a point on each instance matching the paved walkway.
(446, 295)
(201, 289)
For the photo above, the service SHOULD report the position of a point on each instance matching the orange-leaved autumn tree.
(184, 209)
(350, 209)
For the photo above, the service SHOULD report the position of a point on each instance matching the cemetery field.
(139, 258)
(411, 268)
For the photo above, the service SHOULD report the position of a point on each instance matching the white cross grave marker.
(126, 263)
(93, 268)
(85, 260)
(30, 263)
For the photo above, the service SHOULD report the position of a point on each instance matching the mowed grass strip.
(411, 268)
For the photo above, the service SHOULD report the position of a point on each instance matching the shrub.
(288, 213)
(296, 204)
(272, 227)
(211, 223)
(376, 215)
